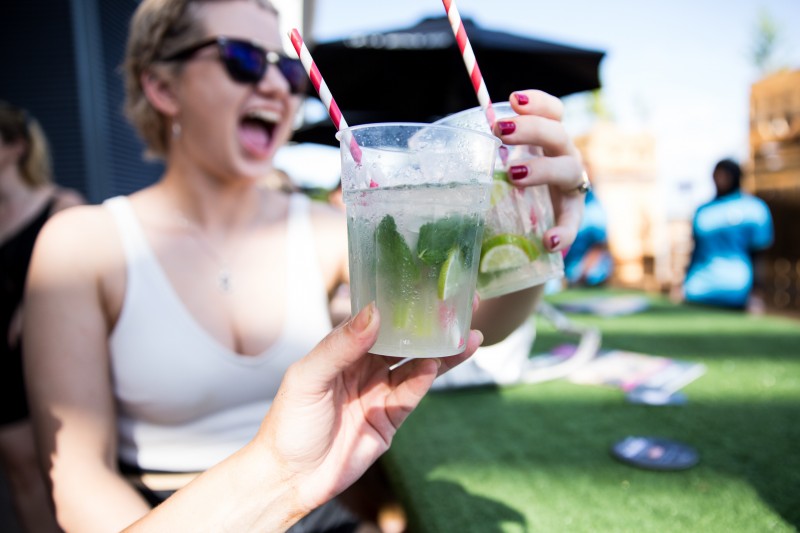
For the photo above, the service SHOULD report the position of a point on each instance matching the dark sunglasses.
(248, 63)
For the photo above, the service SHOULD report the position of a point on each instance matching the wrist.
(269, 488)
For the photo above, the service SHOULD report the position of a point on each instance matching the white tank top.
(185, 401)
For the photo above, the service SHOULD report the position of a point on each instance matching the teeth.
(262, 114)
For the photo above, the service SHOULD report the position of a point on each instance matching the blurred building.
(773, 174)
(60, 60)
(622, 167)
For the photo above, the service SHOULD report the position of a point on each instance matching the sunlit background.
(677, 95)
(680, 71)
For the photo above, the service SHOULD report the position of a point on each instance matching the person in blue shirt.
(727, 232)
(588, 261)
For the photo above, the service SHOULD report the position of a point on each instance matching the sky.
(680, 69)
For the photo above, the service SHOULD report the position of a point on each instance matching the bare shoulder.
(81, 234)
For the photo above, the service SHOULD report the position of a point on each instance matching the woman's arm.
(68, 378)
(336, 412)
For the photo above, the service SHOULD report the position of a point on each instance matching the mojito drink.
(416, 195)
(512, 254)
(417, 247)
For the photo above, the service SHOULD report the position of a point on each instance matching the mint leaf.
(469, 238)
(436, 239)
(395, 260)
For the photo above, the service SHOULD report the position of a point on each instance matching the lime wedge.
(506, 251)
(500, 189)
(500, 175)
(452, 274)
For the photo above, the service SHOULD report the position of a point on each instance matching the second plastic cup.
(415, 200)
(512, 255)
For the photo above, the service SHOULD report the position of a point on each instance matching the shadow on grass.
(551, 429)
(493, 515)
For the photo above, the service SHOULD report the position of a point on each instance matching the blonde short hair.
(159, 28)
(17, 125)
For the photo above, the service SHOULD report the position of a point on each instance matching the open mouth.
(256, 130)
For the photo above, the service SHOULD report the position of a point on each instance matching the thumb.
(343, 346)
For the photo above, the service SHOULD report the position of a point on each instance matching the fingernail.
(518, 172)
(554, 241)
(438, 362)
(521, 98)
(364, 318)
(506, 127)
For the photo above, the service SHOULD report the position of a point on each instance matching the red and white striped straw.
(469, 59)
(322, 89)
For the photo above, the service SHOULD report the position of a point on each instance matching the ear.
(160, 92)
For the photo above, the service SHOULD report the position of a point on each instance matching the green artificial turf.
(536, 457)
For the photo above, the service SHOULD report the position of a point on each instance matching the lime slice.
(500, 175)
(500, 190)
(452, 274)
(506, 251)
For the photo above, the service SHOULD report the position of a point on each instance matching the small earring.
(176, 130)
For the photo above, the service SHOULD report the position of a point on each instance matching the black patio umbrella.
(417, 73)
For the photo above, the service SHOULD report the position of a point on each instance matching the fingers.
(412, 380)
(540, 103)
(569, 212)
(342, 347)
(539, 124)
(473, 342)
(537, 131)
(562, 172)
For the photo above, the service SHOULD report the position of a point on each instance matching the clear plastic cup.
(415, 204)
(512, 254)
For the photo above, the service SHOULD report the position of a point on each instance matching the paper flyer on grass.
(607, 306)
(627, 370)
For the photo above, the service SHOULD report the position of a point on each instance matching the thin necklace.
(224, 274)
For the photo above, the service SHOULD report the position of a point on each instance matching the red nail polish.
(554, 241)
(521, 98)
(506, 127)
(518, 172)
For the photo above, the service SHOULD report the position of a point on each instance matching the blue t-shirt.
(726, 231)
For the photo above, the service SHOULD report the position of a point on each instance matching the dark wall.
(37, 72)
(60, 60)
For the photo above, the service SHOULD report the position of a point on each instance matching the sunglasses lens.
(295, 74)
(245, 62)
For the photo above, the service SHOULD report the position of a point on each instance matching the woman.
(173, 314)
(27, 199)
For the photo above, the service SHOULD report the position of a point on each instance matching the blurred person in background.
(173, 314)
(28, 197)
(729, 232)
